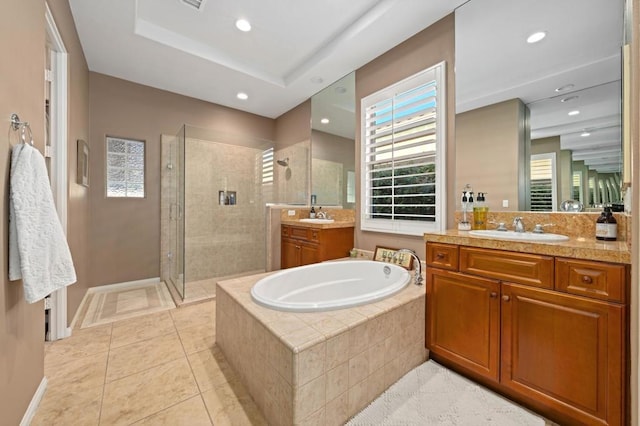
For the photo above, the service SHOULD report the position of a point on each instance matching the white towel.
(38, 249)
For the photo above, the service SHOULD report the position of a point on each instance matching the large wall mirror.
(539, 123)
(333, 144)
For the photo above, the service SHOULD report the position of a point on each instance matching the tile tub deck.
(323, 367)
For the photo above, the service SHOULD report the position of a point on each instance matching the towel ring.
(16, 124)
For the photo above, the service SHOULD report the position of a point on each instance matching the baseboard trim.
(35, 402)
(124, 285)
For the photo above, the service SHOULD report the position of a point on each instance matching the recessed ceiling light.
(536, 37)
(565, 87)
(585, 134)
(243, 96)
(324, 121)
(574, 112)
(340, 90)
(243, 25)
(569, 99)
(316, 80)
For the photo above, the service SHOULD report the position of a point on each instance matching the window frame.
(551, 156)
(436, 72)
(106, 169)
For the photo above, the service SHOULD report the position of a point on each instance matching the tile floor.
(159, 369)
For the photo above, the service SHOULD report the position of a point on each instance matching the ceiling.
(295, 48)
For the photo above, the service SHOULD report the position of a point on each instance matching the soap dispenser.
(606, 226)
(467, 203)
(480, 210)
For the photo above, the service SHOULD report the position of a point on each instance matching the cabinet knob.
(506, 297)
(493, 295)
(440, 256)
(587, 279)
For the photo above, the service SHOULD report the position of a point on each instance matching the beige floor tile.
(199, 314)
(140, 356)
(141, 328)
(191, 412)
(78, 374)
(140, 395)
(197, 338)
(81, 343)
(231, 405)
(64, 407)
(211, 369)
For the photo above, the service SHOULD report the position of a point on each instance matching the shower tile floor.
(161, 368)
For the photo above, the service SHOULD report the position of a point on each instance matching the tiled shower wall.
(223, 240)
(292, 183)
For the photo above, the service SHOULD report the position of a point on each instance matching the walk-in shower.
(214, 191)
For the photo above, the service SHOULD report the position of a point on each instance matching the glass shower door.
(176, 213)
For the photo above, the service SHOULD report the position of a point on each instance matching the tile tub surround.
(321, 367)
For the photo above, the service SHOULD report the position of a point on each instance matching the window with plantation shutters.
(403, 156)
(543, 182)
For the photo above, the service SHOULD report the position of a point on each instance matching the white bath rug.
(117, 304)
(433, 395)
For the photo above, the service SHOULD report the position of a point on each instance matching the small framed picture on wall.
(82, 177)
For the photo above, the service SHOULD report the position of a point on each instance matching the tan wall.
(125, 234)
(635, 221)
(293, 126)
(22, 38)
(490, 153)
(427, 48)
(22, 43)
(78, 128)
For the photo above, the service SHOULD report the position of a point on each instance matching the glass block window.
(125, 168)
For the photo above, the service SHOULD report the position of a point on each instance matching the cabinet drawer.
(597, 280)
(443, 256)
(520, 268)
(298, 233)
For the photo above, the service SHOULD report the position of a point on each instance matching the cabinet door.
(290, 254)
(463, 320)
(309, 254)
(564, 351)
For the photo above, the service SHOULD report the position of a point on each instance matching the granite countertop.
(335, 224)
(575, 247)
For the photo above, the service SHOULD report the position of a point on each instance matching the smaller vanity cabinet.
(546, 331)
(302, 245)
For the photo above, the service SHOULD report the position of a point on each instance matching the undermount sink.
(309, 220)
(518, 236)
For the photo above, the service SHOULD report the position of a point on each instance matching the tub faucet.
(417, 275)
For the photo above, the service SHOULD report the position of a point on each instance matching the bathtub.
(330, 285)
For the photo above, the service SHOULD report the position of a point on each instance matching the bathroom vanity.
(303, 243)
(545, 324)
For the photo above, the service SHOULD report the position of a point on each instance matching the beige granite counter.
(344, 218)
(576, 247)
(336, 224)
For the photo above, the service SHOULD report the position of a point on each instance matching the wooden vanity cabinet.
(304, 245)
(550, 332)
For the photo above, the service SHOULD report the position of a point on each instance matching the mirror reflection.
(333, 144)
(538, 123)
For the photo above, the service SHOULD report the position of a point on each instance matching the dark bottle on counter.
(606, 226)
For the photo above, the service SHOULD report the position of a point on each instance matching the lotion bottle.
(480, 210)
(606, 226)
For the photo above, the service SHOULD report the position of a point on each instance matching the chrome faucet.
(518, 225)
(417, 275)
(321, 214)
